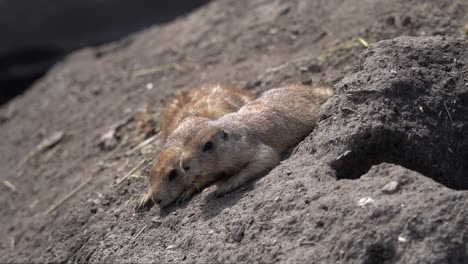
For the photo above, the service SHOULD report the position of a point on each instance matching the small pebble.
(365, 201)
(402, 239)
(171, 247)
(314, 68)
(390, 187)
(238, 233)
(284, 11)
(149, 86)
(156, 222)
(51, 141)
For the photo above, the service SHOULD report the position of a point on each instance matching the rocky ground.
(382, 178)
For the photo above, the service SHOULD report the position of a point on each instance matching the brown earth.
(383, 178)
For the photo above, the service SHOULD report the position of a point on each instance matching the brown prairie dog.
(210, 101)
(245, 144)
(179, 116)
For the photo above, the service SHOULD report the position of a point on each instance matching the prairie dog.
(210, 101)
(183, 112)
(245, 144)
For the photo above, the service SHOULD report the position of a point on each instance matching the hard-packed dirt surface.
(382, 179)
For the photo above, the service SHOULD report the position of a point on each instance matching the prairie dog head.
(207, 152)
(167, 181)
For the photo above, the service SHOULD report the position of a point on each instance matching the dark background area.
(38, 33)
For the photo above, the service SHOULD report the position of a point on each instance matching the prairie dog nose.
(184, 163)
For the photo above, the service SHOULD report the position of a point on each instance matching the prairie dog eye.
(224, 133)
(172, 175)
(208, 145)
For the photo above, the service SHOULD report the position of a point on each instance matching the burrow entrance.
(445, 163)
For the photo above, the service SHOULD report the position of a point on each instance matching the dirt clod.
(365, 201)
(110, 139)
(238, 232)
(170, 247)
(390, 187)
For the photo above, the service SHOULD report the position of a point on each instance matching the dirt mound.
(381, 178)
(407, 105)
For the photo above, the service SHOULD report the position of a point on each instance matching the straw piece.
(130, 173)
(72, 193)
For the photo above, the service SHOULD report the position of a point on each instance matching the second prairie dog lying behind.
(182, 113)
(245, 144)
(210, 101)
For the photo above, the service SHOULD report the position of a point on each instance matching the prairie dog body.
(183, 112)
(247, 143)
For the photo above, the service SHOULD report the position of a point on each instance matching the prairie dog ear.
(224, 133)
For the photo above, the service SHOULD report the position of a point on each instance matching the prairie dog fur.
(183, 112)
(210, 101)
(245, 144)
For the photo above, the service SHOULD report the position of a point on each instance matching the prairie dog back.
(291, 111)
(209, 101)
